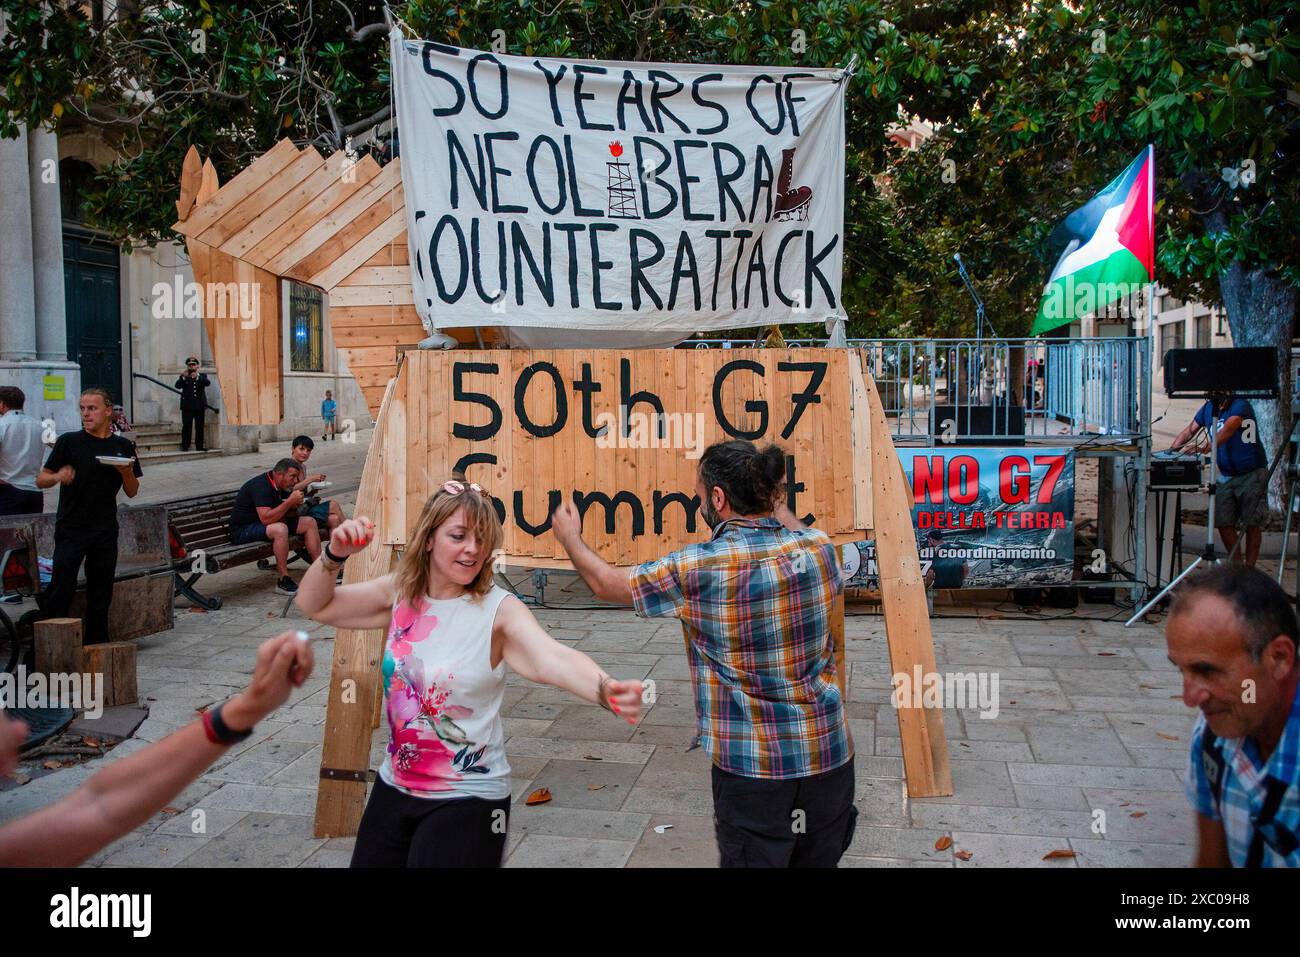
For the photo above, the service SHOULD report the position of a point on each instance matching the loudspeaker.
(996, 419)
(1247, 373)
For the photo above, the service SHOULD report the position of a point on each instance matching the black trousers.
(802, 822)
(98, 548)
(192, 419)
(398, 830)
(17, 501)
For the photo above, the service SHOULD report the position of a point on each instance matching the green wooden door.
(92, 282)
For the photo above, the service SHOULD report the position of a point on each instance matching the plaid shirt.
(1243, 791)
(755, 602)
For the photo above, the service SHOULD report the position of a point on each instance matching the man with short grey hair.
(21, 454)
(1232, 633)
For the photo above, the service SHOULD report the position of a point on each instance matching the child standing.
(327, 410)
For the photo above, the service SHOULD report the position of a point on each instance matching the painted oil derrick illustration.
(622, 193)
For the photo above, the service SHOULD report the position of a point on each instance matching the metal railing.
(1066, 391)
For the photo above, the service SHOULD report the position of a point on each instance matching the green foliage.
(1033, 116)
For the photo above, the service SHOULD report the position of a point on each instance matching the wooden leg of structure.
(355, 676)
(907, 615)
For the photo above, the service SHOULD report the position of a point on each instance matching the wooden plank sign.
(621, 433)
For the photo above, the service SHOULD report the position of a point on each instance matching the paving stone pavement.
(1085, 754)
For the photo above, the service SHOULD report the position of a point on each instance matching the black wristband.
(325, 550)
(223, 731)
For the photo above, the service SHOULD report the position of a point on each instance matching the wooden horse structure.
(518, 421)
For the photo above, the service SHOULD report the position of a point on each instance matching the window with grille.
(1171, 337)
(306, 349)
(1203, 332)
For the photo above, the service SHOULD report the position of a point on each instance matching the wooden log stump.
(115, 660)
(58, 646)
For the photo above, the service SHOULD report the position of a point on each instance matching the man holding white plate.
(91, 466)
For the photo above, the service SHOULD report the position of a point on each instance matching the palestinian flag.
(1110, 248)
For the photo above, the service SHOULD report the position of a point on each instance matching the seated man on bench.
(328, 513)
(265, 511)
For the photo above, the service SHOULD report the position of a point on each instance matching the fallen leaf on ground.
(1137, 814)
(90, 742)
(196, 610)
(943, 843)
(171, 810)
(20, 778)
(1168, 737)
(594, 787)
(1058, 855)
(1141, 685)
(661, 828)
(591, 757)
(540, 796)
(51, 764)
(963, 855)
(1105, 654)
(270, 614)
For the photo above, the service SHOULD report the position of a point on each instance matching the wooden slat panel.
(375, 316)
(371, 296)
(289, 206)
(354, 675)
(380, 210)
(191, 179)
(264, 198)
(239, 188)
(907, 617)
(372, 356)
(336, 220)
(325, 203)
(378, 275)
(349, 260)
(359, 337)
(863, 511)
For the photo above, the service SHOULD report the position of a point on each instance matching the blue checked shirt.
(755, 603)
(1244, 789)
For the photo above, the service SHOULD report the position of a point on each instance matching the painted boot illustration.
(791, 204)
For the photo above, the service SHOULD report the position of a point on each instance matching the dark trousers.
(17, 501)
(802, 822)
(398, 830)
(98, 548)
(192, 419)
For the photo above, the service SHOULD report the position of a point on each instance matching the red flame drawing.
(616, 148)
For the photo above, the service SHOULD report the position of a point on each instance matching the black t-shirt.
(258, 492)
(91, 498)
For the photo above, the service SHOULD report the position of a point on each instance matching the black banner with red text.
(984, 518)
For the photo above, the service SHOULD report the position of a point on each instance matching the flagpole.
(1145, 367)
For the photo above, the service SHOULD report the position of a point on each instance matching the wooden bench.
(198, 530)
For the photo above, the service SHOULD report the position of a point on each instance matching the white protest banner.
(584, 194)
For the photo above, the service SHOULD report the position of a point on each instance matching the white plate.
(114, 459)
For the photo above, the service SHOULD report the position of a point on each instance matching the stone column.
(17, 289)
(47, 246)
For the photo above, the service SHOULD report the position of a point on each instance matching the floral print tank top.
(443, 699)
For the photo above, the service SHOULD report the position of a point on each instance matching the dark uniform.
(193, 402)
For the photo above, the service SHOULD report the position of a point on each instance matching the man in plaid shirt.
(755, 603)
(1233, 634)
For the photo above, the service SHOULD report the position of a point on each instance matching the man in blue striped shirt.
(1232, 633)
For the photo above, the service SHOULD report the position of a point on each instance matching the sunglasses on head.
(456, 488)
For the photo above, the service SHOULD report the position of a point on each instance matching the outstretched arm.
(605, 581)
(527, 648)
(360, 605)
(128, 792)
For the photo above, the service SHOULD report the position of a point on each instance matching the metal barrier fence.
(1067, 391)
